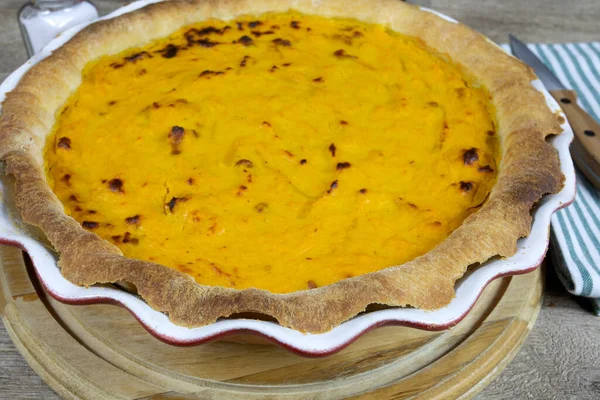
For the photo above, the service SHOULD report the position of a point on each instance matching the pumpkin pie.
(301, 160)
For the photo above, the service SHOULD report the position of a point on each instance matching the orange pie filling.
(282, 152)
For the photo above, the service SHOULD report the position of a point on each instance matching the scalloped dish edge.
(531, 252)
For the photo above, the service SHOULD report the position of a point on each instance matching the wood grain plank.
(549, 21)
(13, 275)
(61, 359)
(17, 379)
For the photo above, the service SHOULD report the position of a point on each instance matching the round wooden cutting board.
(101, 352)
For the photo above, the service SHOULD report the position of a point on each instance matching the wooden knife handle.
(587, 135)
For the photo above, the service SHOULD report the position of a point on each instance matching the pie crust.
(529, 169)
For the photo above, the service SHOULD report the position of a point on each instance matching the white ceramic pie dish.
(532, 250)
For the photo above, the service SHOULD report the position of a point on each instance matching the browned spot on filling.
(245, 163)
(254, 24)
(176, 137)
(485, 168)
(343, 165)
(128, 239)
(282, 42)
(205, 42)
(73, 198)
(169, 51)
(66, 179)
(197, 36)
(259, 33)
(413, 206)
(133, 220)
(318, 80)
(334, 185)
(190, 181)
(342, 122)
(274, 68)
(90, 224)
(92, 211)
(286, 64)
(470, 156)
(265, 123)
(240, 26)
(115, 185)
(180, 101)
(260, 207)
(362, 191)
(137, 56)
(311, 284)
(64, 143)
(210, 73)
(332, 149)
(295, 24)
(244, 61)
(241, 190)
(491, 133)
(466, 186)
(112, 102)
(303, 161)
(437, 223)
(174, 201)
(341, 53)
(245, 40)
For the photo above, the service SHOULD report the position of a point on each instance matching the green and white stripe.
(576, 229)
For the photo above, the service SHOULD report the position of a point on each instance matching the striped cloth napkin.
(576, 229)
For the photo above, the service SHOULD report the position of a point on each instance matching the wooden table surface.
(561, 357)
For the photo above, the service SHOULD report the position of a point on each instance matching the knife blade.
(585, 149)
(522, 52)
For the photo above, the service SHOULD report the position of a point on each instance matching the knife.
(585, 149)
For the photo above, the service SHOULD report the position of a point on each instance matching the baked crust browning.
(530, 168)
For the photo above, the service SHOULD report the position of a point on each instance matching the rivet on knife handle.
(587, 135)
